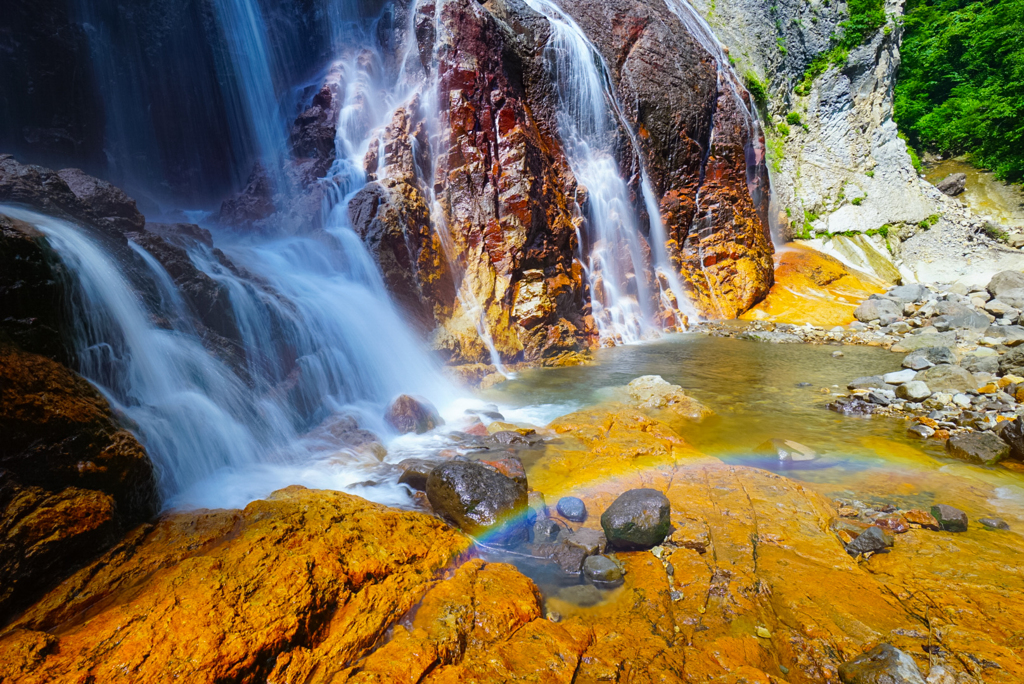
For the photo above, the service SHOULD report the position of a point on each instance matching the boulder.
(923, 340)
(925, 520)
(983, 448)
(932, 355)
(637, 519)
(869, 382)
(914, 292)
(949, 518)
(1012, 363)
(411, 414)
(871, 540)
(899, 377)
(1010, 335)
(571, 508)
(415, 472)
(479, 500)
(953, 184)
(1013, 296)
(1005, 281)
(874, 309)
(601, 569)
(965, 318)
(545, 531)
(915, 390)
(653, 391)
(884, 664)
(947, 378)
(107, 205)
(1013, 435)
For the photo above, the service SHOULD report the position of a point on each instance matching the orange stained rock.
(811, 287)
(306, 579)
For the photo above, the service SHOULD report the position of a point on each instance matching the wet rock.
(1013, 434)
(871, 540)
(637, 519)
(921, 431)
(584, 595)
(601, 569)
(874, 309)
(852, 406)
(949, 518)
(1005, 281)
(925, 520)
(984, 448)
(588, 540)
(409, 414)
(653, 391)
(788, 450)
(893, 523)
(478, 500)
(994, 523)
(953, 184)
(508, 438)
(571, 508)
(947, 378)
(415, 472)
(915, 390)
(107, 205)
(535, 500)
(545, 531)
(883, 664)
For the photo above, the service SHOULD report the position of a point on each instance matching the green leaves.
(961, 83)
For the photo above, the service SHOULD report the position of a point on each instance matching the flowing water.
(762, 391)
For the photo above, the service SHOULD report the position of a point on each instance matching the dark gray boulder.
(479, 500)
(949, 518)
(871, 540)
(884, 664)
(953, 184)
(545, 531)
(983, 448)
(1013, 435)
(415, 472)
(638, 519)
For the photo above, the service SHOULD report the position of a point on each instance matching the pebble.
(572, 508)
(601, 569)
(994, 523)
(871, 540)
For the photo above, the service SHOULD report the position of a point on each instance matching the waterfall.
(314, 306)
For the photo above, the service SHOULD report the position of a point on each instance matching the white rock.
(899, 377)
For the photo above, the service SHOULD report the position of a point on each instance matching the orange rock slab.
(811, 287)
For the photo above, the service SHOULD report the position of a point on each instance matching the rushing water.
(319, 335)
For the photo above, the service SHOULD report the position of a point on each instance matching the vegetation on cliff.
(865, 17)
(961, 84)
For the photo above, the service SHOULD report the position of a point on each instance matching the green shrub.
(870, 174)
(783, 130)
(856, 201)
(929, 222)
(865, 18)
(914, 159)
(961, 81)
(793, 118)
(757, 88)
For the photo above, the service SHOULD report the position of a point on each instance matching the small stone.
(572, 508)
(638, 519)
(788, 450)
(869, 382)
(847, 512)
(983, 448)
(921, 431)
(994, 523)
(919, 517)
(545, 531)
(763, 633)
(893, 523)
(584, 595)
(962, 400)
(871, 540)
(837, 355)
(590, 541)
(915, 390)
(884, 664)
(601, 569)
(949, 518)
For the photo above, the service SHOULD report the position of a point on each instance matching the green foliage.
(775, 152)
(914, 158)
(757, 88)
(870, 174)
(781, 43)
(996, 233)
(856, 201)
(793, 118)
(961, 83)
(929, 222)
(783, 130)
(866, 17)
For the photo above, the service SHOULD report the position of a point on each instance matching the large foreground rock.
(638, 519)
(70, 478)
(479, 500)
(316, 587)
(984, 448)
